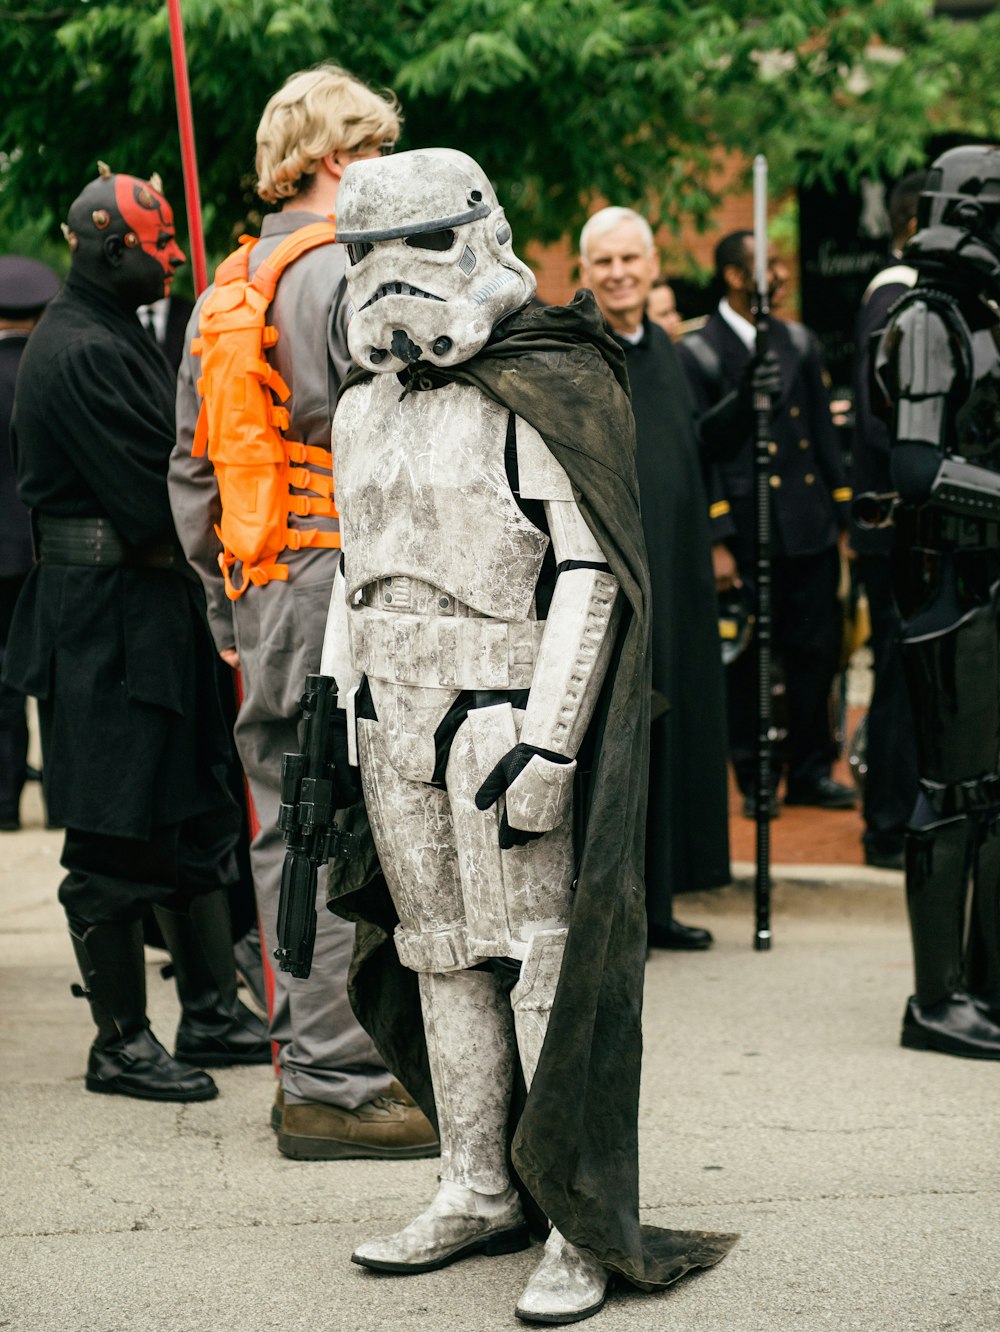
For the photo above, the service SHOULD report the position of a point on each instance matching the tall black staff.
(762, 566)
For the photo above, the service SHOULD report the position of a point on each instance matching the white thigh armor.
(441, 571)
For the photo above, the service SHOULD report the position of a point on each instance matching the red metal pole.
(189, 158)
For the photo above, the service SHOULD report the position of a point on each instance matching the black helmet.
(958, 216)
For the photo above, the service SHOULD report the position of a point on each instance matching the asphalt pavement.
(776, 1101)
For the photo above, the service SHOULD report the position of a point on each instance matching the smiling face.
(619, 267)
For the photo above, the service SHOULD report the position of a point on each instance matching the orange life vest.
(242, 420)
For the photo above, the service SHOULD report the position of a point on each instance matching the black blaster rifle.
(309, 789)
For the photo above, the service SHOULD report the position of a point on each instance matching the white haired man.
(687, 831)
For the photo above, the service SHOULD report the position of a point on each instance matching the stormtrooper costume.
(482, 614)
(939, 368)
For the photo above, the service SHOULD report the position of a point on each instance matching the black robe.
(575, 1140)
(119, 657)
(687, 836)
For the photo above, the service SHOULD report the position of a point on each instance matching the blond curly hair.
(316, 112)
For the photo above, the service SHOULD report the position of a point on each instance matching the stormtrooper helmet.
(431, 271)
(958, 216)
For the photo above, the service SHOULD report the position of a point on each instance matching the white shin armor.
(470, 1044)
(532, 996)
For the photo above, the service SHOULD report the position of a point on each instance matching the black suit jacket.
(178, 313)
(810, 494)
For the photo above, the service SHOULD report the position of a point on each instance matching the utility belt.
(94, 542)
(442, 651)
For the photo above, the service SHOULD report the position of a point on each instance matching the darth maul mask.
(121, 231)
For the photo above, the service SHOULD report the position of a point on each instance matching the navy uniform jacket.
(810, 494)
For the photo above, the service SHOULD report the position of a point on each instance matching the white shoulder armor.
(540, 476)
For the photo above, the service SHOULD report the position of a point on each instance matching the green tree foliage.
(561, 100)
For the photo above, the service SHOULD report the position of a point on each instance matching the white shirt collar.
(633, 338)
(743, 328)
(157, 313)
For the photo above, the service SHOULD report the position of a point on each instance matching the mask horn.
(70, 236)
(103, 170)
(156, 182)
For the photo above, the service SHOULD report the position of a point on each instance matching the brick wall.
(556, 267)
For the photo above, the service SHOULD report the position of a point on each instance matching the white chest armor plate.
(422, 492)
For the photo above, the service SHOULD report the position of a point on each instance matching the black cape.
(120, 658)
(687, 833)
(575, 1144)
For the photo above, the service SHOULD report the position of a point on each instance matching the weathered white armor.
(416, 479)
(439, 595)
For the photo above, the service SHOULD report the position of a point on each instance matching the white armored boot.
(569, 1284)
(470, 1043)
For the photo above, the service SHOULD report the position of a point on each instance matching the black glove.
(761, 375)
(347, 779)
(502, 776)
(723, 429)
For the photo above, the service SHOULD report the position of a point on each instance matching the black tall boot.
(126, 1059)
(216, 1029)
(982, 959)
(942, 1015)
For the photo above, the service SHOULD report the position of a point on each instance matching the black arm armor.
(923, 367)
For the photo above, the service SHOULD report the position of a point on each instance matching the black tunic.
(119, 657)
(15, 534)
(687, 831)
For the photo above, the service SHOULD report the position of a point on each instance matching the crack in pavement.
(261, 1223)
(184, 1128)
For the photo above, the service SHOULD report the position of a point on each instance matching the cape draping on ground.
(575, 1148)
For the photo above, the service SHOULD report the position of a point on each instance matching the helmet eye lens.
(358, 249)
(432, 240)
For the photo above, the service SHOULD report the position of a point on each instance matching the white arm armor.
(576, 645)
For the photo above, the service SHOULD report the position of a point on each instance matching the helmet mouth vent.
(399, 289)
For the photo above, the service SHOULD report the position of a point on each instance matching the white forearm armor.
(575, 648)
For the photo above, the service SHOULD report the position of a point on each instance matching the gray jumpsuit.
(278, 631)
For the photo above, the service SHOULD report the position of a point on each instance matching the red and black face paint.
(121, 232)
(150, 221)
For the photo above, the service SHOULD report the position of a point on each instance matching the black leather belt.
(95, 542)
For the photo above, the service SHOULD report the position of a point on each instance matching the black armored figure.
(938, 365)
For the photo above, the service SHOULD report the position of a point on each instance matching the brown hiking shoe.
(397, 1092)
(381, 1129)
